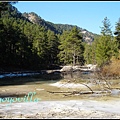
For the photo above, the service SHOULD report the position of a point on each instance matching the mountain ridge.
(33, 18)
(59, 28)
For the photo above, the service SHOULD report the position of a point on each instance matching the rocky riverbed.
(57, 105)
(62, 109)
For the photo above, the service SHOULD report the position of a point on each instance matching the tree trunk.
(74, 59)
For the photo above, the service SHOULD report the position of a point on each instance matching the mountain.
(25, 44)
(58, 28)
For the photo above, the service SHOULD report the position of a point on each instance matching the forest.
(27, 45)
(46, 60)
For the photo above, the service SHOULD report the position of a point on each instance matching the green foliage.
(117, 28)
(53, 43)
(71, 48)
(24, 44)
(106, 29)
(36, 44)
(106, 46)
(4, 6)
(57, 28)
(90, 52)
(103, 50)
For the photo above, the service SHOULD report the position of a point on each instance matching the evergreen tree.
(88, 53)
(40, 45)
(53, 43)
(63, 55)
(4, 6)
(117, 33)
(71, 47)
(104, 47)
(106, 29)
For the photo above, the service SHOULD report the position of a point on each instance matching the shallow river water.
(55, 105)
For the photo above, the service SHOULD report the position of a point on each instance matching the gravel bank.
(62, 109)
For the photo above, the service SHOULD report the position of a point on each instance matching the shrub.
(113, 69)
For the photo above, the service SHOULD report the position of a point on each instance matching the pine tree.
(117, 33)
(104, 47)
(106, 29)
(53, 43)
(63, 52)
(4, 6)
(71, 48)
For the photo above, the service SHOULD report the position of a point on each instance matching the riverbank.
(57, 105)
(62, 109)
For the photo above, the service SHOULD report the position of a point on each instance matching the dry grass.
(113, 69)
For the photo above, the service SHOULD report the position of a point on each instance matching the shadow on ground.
(23, 80)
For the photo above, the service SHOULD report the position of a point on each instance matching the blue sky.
(85, 14)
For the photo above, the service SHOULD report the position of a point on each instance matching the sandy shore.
(62, 109)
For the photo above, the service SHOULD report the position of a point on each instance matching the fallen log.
(73, 92)
(58, 92)
(66, 93)
(88, 87)
(78, 93)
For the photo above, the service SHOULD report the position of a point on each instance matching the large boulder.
(66, 69)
